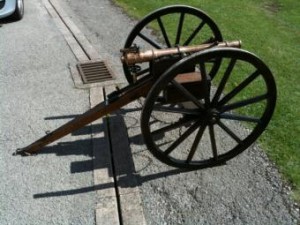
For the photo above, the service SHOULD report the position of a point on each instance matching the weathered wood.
(130, 94)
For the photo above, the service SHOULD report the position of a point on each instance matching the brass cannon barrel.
(131, 58)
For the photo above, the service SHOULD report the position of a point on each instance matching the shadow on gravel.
(124, 166)
(123, 180)
(80, 147)
(83, 131)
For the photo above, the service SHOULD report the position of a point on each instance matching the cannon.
(205, 100)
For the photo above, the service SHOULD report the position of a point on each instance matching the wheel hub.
(212, 116)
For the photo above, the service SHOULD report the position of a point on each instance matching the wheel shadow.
(123, 172)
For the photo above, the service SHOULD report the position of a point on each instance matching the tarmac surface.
(57, 187)
(37, 95)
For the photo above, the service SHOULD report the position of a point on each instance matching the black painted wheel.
(190, 26)
(235, 108)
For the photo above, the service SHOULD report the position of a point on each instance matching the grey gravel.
(35, 89)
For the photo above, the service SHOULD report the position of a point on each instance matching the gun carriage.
(205, 99)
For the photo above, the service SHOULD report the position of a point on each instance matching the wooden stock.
(100, 110)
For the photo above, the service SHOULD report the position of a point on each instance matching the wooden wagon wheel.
(236, 107)
(190, 26)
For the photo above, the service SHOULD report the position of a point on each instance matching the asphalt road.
(248, 190)
(37, 94)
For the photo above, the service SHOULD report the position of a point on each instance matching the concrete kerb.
(107, 210)
(80, 46)
(71, 41)
(127, 184)
(107, 205)
(79, 83)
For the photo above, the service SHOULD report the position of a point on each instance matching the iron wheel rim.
(166, 11)
(161, 83)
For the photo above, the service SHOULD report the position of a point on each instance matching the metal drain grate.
(94, 72)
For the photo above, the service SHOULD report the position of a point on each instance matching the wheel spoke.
(163, 30)
(187, 94)
(244, 103)
(195, 144)
(173, 126)
(179, 28)
(239, 88)
(229, 132)
(195, 32)
(213, 141)
(223, 81)
(204, 77)
(237, 117)
(175, 110)
(187, 133)
(151, 42)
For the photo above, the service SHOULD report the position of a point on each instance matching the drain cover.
(94, 72)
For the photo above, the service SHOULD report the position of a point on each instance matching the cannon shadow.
(123, 172)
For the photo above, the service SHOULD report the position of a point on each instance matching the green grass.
(270, 29)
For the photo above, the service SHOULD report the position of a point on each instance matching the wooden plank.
(107, 205)
(127, 184)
